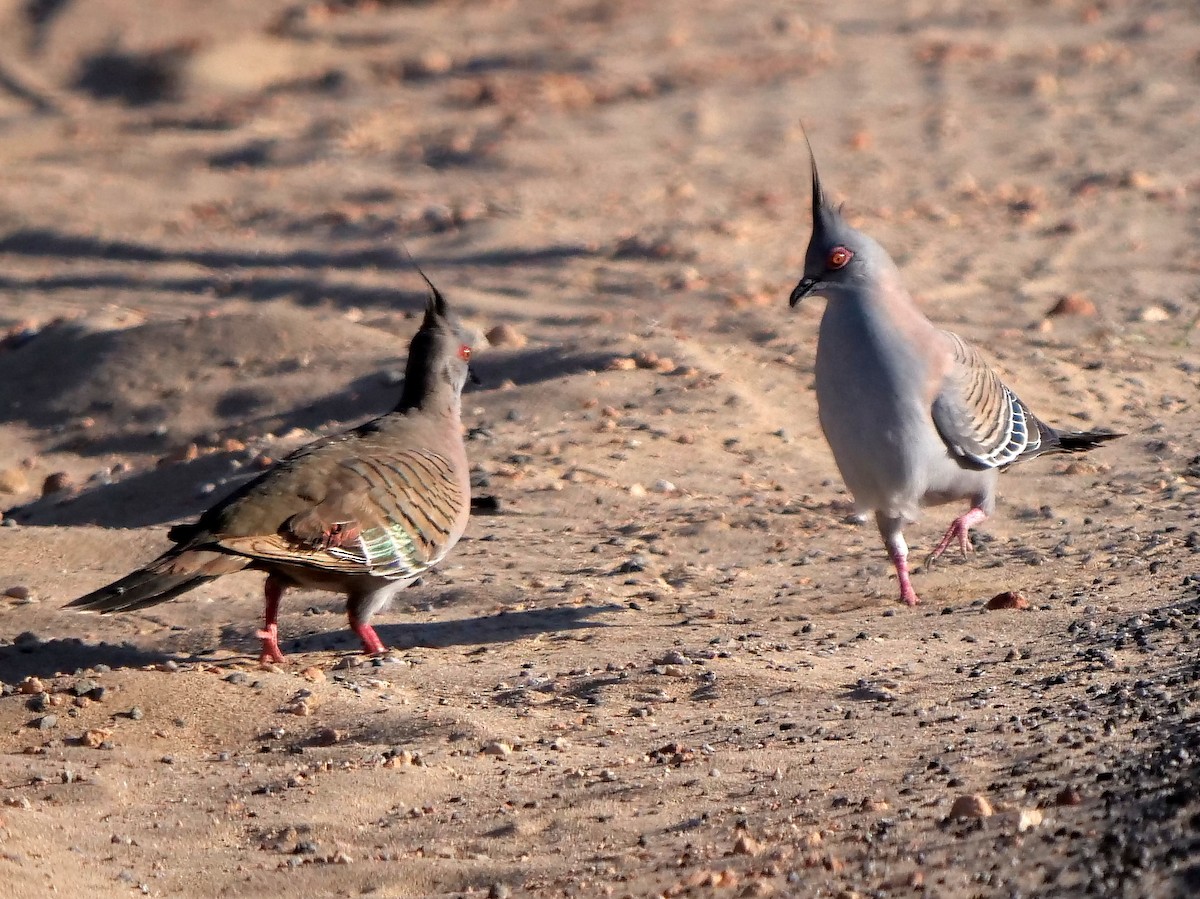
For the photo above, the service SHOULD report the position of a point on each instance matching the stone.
(972, 806)
(506, 335)
(1007, 600)
(1072, 304)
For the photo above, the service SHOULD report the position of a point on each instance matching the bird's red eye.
(838, 257)
(464, 353)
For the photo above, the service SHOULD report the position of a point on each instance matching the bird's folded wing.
(278, 548)
(983, 423)
(389, 514)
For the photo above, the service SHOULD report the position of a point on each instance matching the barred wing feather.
(392, 515)
(982, 422)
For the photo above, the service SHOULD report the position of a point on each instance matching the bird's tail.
(1081, 441)
(165, 578)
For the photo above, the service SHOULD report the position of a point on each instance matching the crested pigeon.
(361, 513)
(913, 414)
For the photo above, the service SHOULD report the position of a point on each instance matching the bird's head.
(839, 257)
(439, 356)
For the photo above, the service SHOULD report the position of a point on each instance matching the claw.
(959, 529)
(270, 645)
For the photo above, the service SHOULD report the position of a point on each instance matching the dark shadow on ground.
(533, 366)
(47, 243)
(502, 627)
(142, 499)
(172, 491)
(47, 658)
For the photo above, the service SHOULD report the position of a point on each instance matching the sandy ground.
(671, 664)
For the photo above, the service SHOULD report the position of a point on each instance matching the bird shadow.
(47, 658)
(503, 627)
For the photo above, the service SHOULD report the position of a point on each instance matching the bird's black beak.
(472, 377)
(803, 289)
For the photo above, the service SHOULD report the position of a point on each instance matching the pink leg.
(960, 528)
(372, 645)
(273, 592)
(893, 539)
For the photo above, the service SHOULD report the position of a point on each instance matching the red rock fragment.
(1007, 600)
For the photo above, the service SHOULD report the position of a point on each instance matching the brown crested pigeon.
(913, 414)
(362, 513)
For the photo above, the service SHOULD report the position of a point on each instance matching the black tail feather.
(1080, 441)
(146, 587)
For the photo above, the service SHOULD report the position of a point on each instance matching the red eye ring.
(838, 257)
(464, 353)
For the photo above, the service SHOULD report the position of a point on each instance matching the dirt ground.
(670, 663)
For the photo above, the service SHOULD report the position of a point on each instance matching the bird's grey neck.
(868, 323)
(427, 393)
(882, 296)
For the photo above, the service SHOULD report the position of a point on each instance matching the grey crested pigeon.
(362, 513)
(913, 414)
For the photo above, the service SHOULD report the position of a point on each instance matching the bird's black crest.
(824, 216)
(436, 306)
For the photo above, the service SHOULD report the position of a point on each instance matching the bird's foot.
(908, 595)
(372, 645)
(271, 653)
(960, 531)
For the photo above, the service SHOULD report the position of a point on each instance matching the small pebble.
(1008, 600)
(1073, 304)
(94, 739)
(506, 335)
(974, 806)
(328, 736)
(57, 483)
(746, 845)
(1153, 314)
(30, 686)
(1068, 796)
(187, 453)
